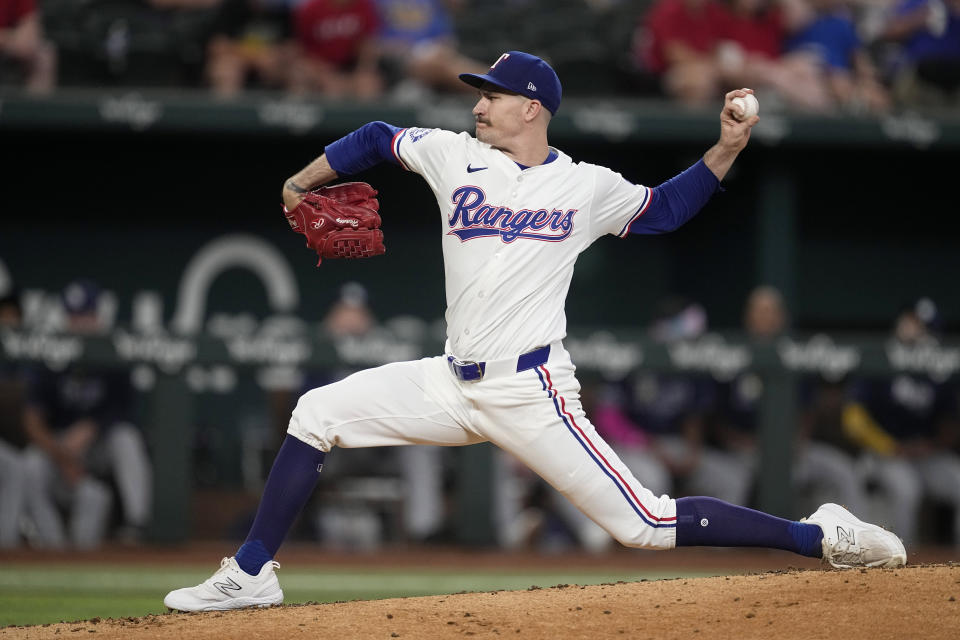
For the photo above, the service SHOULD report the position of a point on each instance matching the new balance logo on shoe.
(229, 585)
(229, 588)
(845, 534)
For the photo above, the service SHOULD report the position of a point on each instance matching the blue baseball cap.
(80, 297)
(522, 73)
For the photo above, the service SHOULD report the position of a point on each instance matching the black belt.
(471, 371)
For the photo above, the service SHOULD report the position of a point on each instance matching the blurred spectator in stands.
(733, 430)
(337, 49)
(416, 472)
(350, 315)
(825, 460)
(251, 46)
(12, 436)
(825, 29)
(417, 40)
(26, 57)
(765, 315)
(822, 458)
(11, 313)
(701, 48)
(670, 407)
(904, 426)
(749, 53)
(78, 422)
(676, 42)
(928, 69)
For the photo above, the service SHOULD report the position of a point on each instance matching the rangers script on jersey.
(511, 236)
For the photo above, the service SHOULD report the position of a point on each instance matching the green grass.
(31, 594)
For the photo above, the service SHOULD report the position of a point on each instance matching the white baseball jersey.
(511, 236)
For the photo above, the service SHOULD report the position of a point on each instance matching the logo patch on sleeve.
(416, 133)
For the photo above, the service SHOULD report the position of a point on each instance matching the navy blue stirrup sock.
(292, 480)
(708, 522)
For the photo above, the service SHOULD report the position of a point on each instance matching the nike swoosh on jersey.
(472, 169)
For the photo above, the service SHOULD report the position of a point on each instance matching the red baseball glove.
(340, 221)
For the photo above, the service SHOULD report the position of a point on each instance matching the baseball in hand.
(745, 107)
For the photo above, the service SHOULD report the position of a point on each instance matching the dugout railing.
(608, 118)
(171, 405)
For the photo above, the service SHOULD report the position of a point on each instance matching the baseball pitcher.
(515, 214)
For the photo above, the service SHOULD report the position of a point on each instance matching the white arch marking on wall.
(226, 252)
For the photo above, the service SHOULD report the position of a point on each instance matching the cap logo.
(499, 60)
(516, 72)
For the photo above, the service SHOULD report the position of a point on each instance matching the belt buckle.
(462, 369)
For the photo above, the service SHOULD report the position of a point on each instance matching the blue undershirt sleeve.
(677, 200)
(366, 147)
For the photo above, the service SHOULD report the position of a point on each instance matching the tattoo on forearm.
(293, 186)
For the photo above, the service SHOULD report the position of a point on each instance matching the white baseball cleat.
(849, 542)
(229, 588)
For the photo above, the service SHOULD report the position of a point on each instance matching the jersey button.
(480, 295)
(519, 178)
(466, 332)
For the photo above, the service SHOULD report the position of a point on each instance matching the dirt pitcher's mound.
(914, 602)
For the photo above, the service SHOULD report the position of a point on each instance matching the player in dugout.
(516, 213)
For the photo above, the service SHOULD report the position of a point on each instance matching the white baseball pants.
(535, 415)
